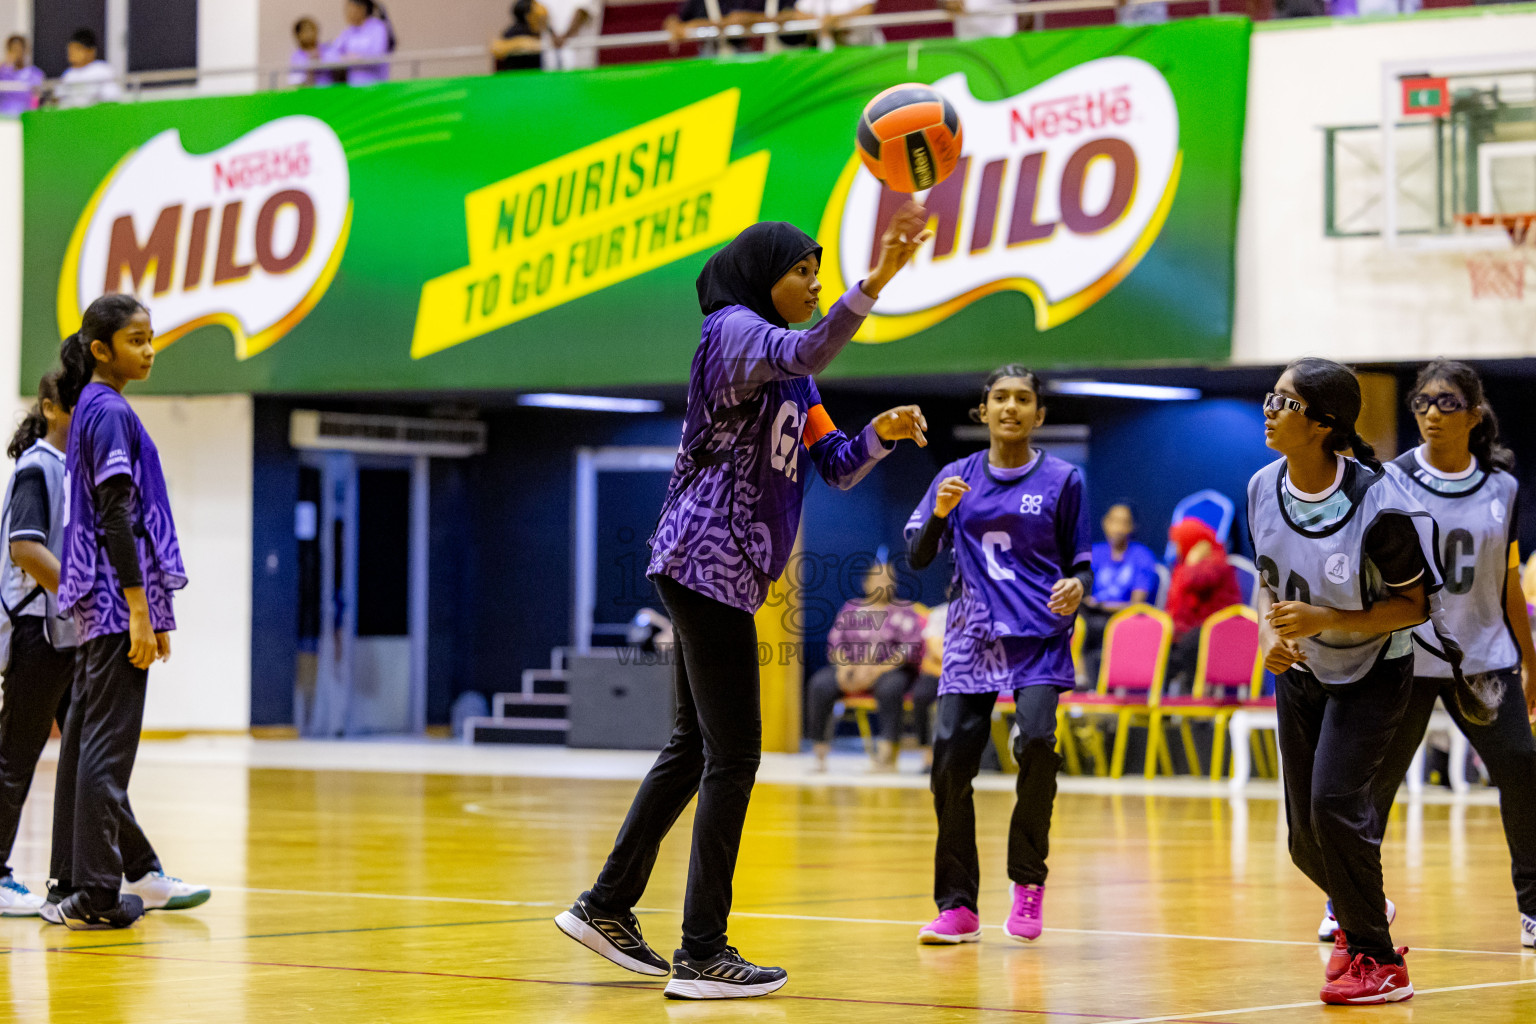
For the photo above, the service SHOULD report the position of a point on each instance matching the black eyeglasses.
(1444, 401)
(1275, 403)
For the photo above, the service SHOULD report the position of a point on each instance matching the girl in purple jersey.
(120, 565)
(727, 527)
(1015, 519)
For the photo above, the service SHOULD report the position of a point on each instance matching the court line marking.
(1101, 1018)
(185, 940)
(1315, 1002)
(1106, 1018)
(759, 915)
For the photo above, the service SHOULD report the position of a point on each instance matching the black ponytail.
(1484, 440)
(1364, 452)
(1331, 392)
(34, 425)
(1009, 370)
(103, 319)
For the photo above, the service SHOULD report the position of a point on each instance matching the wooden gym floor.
(416, 896)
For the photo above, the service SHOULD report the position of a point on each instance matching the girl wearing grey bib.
(1463, 476)
(1347, 562)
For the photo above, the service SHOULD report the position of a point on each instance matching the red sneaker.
(1339, 959)
(1368, 982)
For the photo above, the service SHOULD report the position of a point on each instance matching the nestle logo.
(262, 167)
(1068, 115)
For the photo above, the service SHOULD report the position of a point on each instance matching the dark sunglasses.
(1444, 401)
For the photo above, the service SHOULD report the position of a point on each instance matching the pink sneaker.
(1027, 920)
(950, 927)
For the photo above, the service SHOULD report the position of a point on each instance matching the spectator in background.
(692, 14)
(979, 26)
(567, 20)
(19, 70)
(368, 34)
(1124, 573)
(521, 46)
(88, 80)
(925, 691)
(832, 14)
(1202, 583)
(1141, 14)
(307, 51)
(874, 647)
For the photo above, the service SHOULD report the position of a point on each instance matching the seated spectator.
(874, 647)
(307, 51)
(19, 70)
(368, 34)
(521, 46)
(1141, 14)
(88, 80)
(692, 14)
(833, 14)
(925, 691)
(980, 26)
(1124, 573)
(567, 20)
(650, 632)
(1202, 583)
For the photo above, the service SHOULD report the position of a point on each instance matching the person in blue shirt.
(1124, 573)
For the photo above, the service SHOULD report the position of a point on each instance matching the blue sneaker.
(16, 900)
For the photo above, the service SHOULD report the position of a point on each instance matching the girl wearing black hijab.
(725, 534)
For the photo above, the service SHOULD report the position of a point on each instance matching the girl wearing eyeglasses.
(1463, 476)
(1346, 557)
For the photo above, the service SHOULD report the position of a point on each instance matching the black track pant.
(1507, 749)
(37, 693)
(714, 752)
(1333, 742)
(889, 691)
(103, 732)
(964, 723)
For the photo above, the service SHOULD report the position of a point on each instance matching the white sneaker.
(160, 891)
(1330, 924)
(1528, 931)
(16, 900)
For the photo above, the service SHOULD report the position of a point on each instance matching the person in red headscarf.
(1202, 583)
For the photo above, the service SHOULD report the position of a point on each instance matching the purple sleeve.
(843, 463)
(109, 441)
(749, 351)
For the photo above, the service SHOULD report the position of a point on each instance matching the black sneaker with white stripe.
(79, 915)
(726, 975)
(613, 937)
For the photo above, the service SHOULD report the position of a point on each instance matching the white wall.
(227, 38)
(206, 448)
(1299, 292)
(10, 270)
(15, 16)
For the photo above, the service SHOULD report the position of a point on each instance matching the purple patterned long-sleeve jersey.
(754, 414)
(106, 439)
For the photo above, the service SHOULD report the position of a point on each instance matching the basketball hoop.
(1495, 274)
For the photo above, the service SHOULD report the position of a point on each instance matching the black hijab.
(745, 271)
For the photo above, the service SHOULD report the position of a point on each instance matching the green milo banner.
(540, 231)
